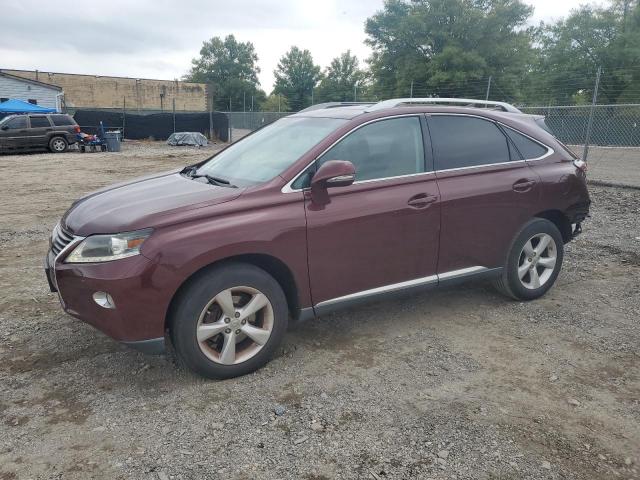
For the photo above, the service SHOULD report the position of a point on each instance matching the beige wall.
(90, 91)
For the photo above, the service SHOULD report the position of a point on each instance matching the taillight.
(581, 165)
(77, 128)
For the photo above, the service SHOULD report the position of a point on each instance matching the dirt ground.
(459, 383)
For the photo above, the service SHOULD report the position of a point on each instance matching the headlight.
(105, 248)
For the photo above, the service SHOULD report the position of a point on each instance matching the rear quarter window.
(62, 120)
(529, 149)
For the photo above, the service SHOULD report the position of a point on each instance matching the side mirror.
(334, 173)
(5, 127)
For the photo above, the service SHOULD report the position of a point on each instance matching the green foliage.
(448, 47)
(339, 79)
(231, 68)
(571, 50)
(275, 103)
(296, 76)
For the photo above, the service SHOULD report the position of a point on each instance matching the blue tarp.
(18, 106)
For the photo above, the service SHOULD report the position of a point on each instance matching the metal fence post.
(587, 139)
(174, 115)
(488, 89)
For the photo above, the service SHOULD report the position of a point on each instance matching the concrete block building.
(99, 92)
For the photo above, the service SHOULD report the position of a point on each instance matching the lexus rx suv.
(54, 132)
(333, 206)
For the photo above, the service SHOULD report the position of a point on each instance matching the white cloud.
(158, 39)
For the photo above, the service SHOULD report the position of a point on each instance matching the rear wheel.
(229, 321)
(534, 261)
(58, 145)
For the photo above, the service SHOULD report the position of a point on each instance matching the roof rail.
(468, 102)
(320, 106)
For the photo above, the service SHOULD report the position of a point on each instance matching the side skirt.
(447, 279)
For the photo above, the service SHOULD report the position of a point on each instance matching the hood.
(142, 203)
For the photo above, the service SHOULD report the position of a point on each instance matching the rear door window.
(62, 120)
(461, 141)
(528, 148)
(16, 123)
(39, 122)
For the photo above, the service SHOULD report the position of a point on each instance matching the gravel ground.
(458, 383)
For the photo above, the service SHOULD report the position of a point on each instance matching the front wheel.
(534, 261)
(229, 321)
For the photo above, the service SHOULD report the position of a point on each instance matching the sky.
(158, 38)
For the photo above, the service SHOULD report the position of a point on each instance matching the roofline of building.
(28, 80)
(44, 72)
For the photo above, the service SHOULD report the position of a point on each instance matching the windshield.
(269, 151)
(6, 119)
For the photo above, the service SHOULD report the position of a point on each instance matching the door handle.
(422, 200)
(522, 186)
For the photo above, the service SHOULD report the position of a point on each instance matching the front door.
(381, 233)
(13, 132)
(488, 192)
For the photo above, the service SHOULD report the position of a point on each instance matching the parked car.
(318, 211)
(55, 132)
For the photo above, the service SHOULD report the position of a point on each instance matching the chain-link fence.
(613, 125)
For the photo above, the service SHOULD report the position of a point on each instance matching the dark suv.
(54, 131)
(324, 209)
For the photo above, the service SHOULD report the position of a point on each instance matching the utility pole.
(488, 89)
(587, 139)
(411, 93)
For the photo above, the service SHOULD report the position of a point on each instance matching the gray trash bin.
(112, 140)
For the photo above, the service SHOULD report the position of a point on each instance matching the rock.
(324, 396)
(602, 457)
(546, 465)
(279, 410)
(443, 454)
(573, 402)
(162, 476)
(300, 440)
(553, 377)
(317, 427)
(628, 461)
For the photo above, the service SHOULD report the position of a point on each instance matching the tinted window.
(460, 141)
(39, 122)
(62, 120)
(527, 147)
(388, 148)
(17, 122)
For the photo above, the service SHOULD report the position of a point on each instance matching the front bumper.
(139, 291)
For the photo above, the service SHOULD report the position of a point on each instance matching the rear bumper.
(136, 286)
(578, 212)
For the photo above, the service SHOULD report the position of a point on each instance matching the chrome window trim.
(550, 151)
(431, 279)
(287, 188)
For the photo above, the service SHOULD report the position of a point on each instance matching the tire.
(58, 145)
(526, 263)
(200, 311)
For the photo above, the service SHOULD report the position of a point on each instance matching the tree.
(448, 47)
(340, 77)
(296, 76)
(571, 51)
(231, 68)
(275, 103)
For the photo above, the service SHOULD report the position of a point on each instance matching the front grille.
(60, 238)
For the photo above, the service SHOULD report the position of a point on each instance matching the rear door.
(381, 233)
(39, 131)
(487, 192)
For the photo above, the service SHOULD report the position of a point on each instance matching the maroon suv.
(324, 209)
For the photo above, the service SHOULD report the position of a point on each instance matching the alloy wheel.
(235, 325)
(537, 261)
(59, 145)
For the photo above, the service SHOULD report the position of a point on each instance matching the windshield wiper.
(219, 181)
